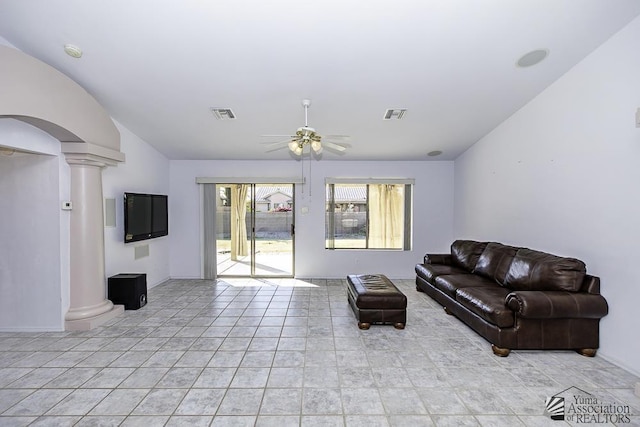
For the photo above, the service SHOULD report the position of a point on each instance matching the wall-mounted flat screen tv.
(145, 216)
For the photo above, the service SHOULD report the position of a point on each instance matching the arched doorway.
(39, 95)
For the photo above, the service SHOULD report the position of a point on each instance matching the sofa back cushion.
(465, 253)
(538, 271)
(494, 262)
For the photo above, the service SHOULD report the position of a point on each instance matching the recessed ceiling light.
(73, 51)
(532, 58)
(434, 153)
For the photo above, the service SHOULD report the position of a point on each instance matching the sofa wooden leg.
(398, 325)
(589, 352)
(499, 351)
(364, 325)
(446, 310)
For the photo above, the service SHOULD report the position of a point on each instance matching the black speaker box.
(129, 290)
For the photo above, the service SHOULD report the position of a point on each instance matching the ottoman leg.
(398, 325)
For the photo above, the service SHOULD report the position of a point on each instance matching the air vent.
(223, 113)
(141, 251)
(394, 114)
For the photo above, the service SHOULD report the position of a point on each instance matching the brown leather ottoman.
(375, 299)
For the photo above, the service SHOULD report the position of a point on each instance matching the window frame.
(330, 203)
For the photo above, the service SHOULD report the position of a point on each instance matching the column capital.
(86, 153)
(87, 160)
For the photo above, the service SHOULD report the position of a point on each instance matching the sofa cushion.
(495, 261)
(465, 253)
(488, 303)
(429, 272)
(538, 271)
(451, 283)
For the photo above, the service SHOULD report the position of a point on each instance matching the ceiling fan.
(306, 135)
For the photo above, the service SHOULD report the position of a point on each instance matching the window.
(368, 214)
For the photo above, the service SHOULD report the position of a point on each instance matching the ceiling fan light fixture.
(316, 146)
(307, 136)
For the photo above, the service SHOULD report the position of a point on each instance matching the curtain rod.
(250, 180)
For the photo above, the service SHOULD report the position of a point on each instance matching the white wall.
(34, 232)
(144, 171)
(433, 214)
(561, 175)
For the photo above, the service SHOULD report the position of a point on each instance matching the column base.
(89, 323)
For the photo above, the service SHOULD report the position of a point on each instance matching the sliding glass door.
(255, 230)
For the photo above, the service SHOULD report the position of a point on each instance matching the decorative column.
(89, 306)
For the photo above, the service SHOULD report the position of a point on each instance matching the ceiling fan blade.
(332, 146)
(276, 148)
(340, 137)
(274, 143)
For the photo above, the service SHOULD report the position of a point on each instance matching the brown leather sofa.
(516, 298)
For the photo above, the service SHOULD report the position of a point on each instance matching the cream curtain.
(209, 204)
(239, 246)
(386, 216)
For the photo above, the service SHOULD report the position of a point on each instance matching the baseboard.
(160, 282)
(619, 364)
(32, 329)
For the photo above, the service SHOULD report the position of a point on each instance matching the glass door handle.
(293, 229)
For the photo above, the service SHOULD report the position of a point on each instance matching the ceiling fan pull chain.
(310, 161)
(302, 173)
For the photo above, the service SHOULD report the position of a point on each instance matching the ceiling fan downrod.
(306, 103)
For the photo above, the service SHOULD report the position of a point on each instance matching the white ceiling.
(158, 66)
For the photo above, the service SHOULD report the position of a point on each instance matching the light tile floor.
(285, 352)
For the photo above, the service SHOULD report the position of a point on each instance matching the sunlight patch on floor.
(244, 282)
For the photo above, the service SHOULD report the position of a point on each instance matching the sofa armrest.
(437, 259)
(557, 305)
